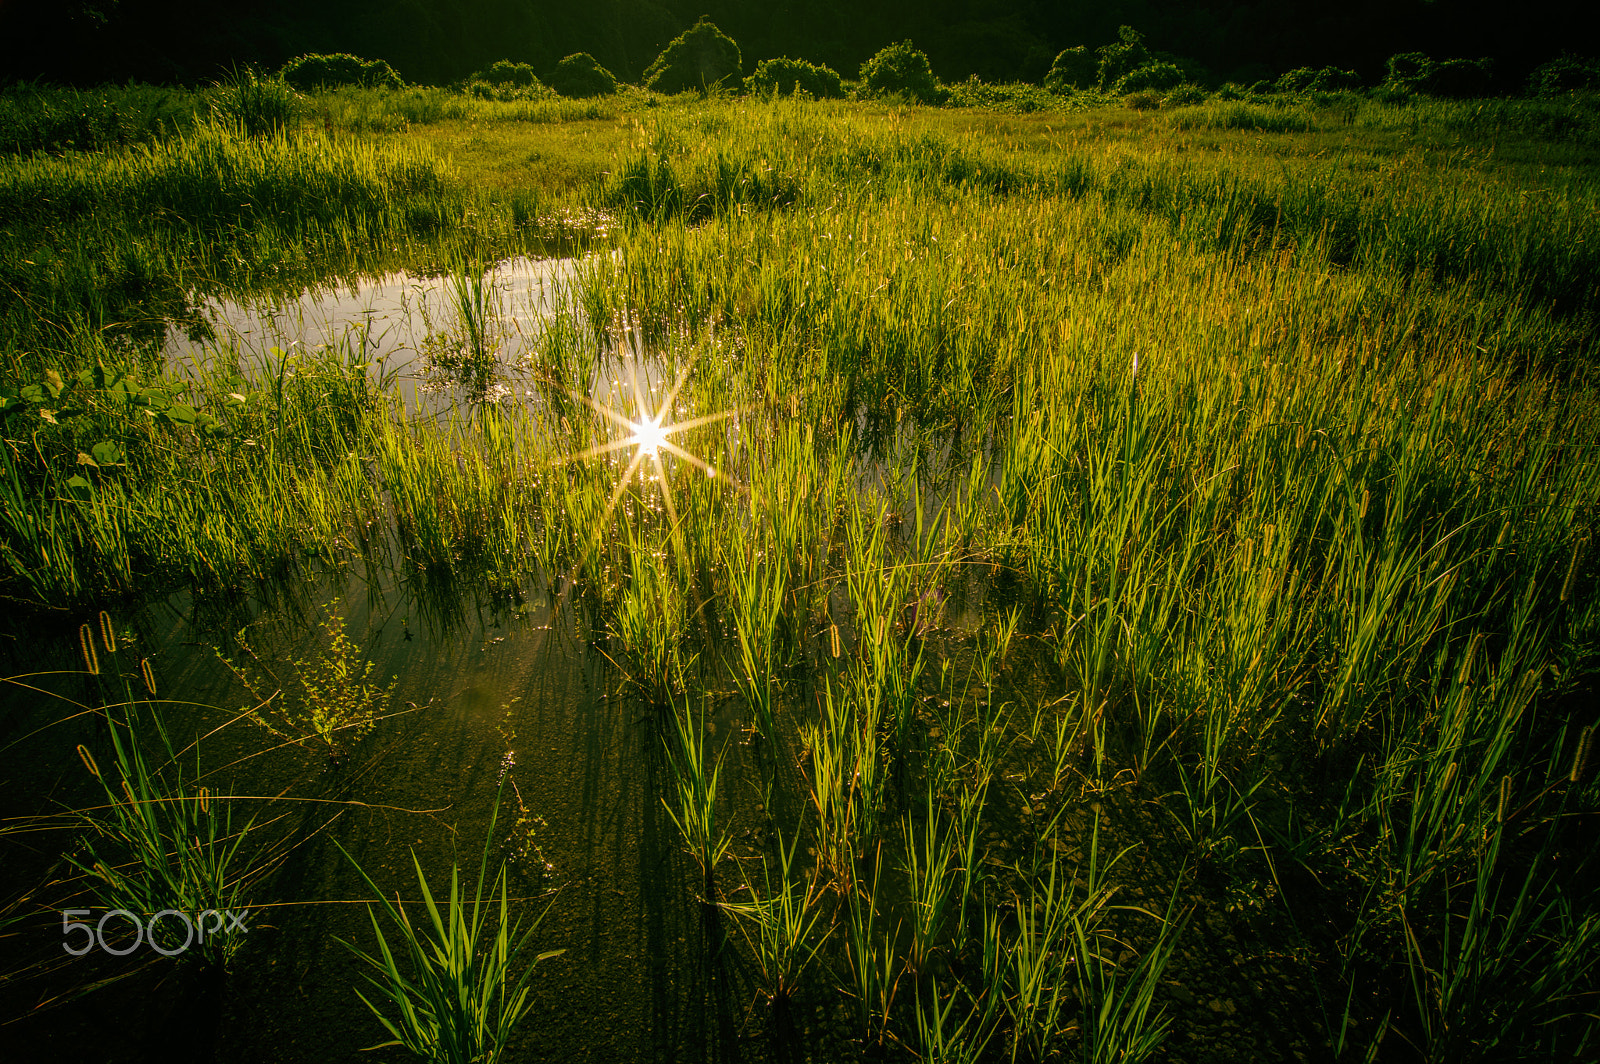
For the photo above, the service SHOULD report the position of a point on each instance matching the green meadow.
(1011, 581)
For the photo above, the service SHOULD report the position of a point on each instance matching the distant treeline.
(442, 41)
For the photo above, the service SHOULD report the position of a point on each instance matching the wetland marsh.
(887, 582)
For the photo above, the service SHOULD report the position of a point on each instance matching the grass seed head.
(149, 675)
(86, 643)
(1582, 756)
(88, 761)
(108, 633)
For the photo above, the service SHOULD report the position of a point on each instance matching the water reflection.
(465, 333)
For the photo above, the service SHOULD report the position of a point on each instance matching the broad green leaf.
(106, 453)
(79, 488)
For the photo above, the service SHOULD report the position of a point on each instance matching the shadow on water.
(489, 687)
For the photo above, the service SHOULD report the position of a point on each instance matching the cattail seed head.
(86, 643)
(1505, 800)
(1583, 755)
(149, 675)
(107, 633)
(88, 761)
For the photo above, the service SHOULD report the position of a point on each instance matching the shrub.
(1297, 80)
(505, 72)
(1332, 79)
(904, 69)
(1122, 57)
(784, 76)
(1186, 95)
(1152, 77)
(309, 73)
(1408, 70)
(1143, 101)
(1458, 79)
(580, 76)
(1570, 73)
(1260, 88)
(702, 57)
(1229, 91)
(1074, 68)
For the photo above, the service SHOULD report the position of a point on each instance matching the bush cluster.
(506, 72)
(902, 68)
(309, 73)
(581, 76)
(1570, 73)
(784, 76)
(1152, 77)
(701, 58)
(1074, 68)
(1416, 72)
(1328, 79)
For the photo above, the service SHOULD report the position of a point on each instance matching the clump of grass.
(785, 913)
(159, 843)
(456, 995)
(695, 774)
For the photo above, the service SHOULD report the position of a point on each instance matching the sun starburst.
(647, 432)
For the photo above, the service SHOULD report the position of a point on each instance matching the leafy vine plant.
(335, 702)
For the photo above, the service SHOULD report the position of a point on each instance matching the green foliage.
(1328, 79)
(1016, 98)
(1459, 79)
(581, 76)
(507, 72)
(901, 68)
(1074, 68)
(455, 995)
(316, 73)
(1152, 77)
(785, 77)
(158, 842)
(1297, 80)
(261, 105)
(701, 58)
(34, 118)
(1408, 71)
(1121, 57)
(337, 705)
(1568, 73)
(1416, 72)
(1185, 96)
(1144, 100)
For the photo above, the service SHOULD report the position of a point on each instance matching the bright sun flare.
(647, 431)
(649, 436)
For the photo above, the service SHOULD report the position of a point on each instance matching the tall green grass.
(1270, 498)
